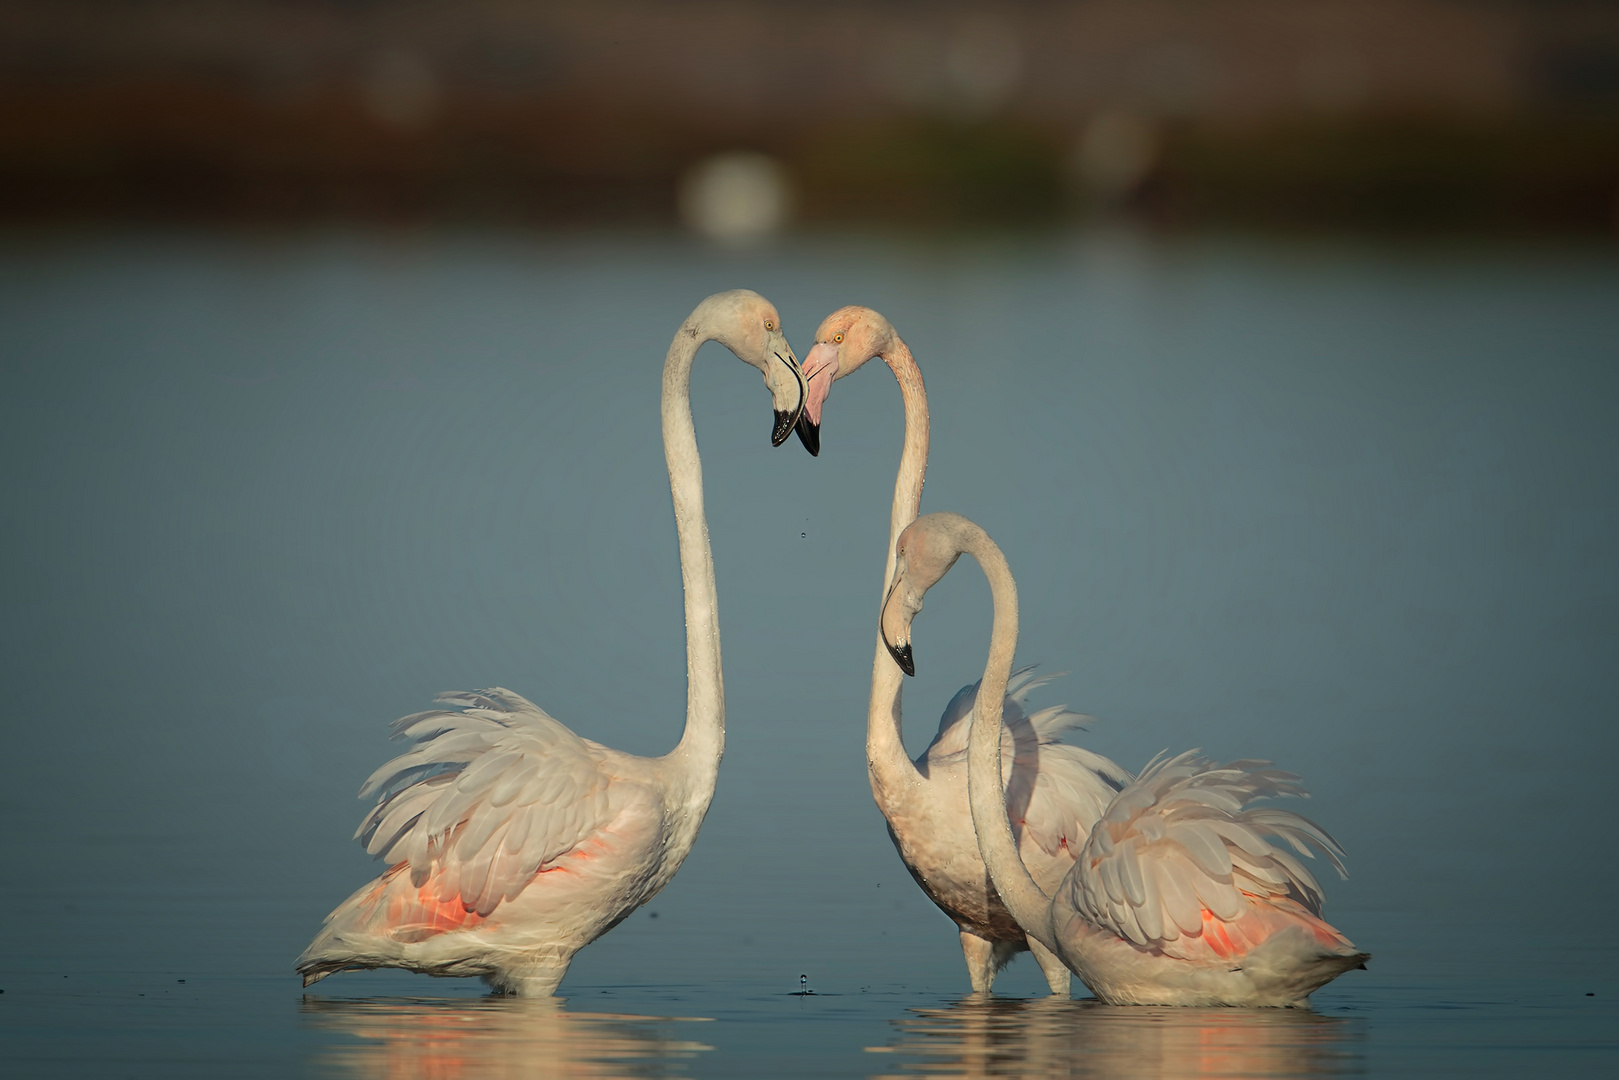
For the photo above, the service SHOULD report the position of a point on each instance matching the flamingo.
(1181, 895)
(1056, 791)
(513, 843)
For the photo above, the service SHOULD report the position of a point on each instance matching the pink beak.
(820, 368)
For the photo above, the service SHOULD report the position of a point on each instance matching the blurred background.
(1474, 115)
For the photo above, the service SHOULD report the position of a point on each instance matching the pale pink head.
(748, 325)
(847, 338)
(923, 554)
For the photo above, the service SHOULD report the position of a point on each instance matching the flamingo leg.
(979, 952)
(1056, 972)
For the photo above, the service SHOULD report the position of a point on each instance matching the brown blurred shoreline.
(1401, 115)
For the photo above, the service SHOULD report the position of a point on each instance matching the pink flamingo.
(512, 842)
(1054, 790)
(1177, 897)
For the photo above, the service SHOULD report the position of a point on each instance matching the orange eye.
(837, 339)
(770, 324)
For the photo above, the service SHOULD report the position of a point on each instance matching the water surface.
(1350, 509)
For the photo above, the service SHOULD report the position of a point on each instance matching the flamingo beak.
(901, 629)
(902, 657)
(786, 419)
(810, 435)
(820, 368)
(783, 427)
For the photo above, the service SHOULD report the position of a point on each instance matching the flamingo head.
(846, 340)
(924, 553)
(748, 325)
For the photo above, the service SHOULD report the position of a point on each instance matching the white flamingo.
(1178, 897)
(1055, 791)
(512, 842)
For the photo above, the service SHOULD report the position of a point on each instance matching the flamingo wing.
(1179, 856)
(1055, 792)
(1063, 790)
(955, 725)
(491, 793)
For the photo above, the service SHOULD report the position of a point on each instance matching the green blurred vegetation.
(1398, 115)
(927, 171)
(1398, 174)
(176, 154)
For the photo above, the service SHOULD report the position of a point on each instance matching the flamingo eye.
(837, 339)
(770, 324)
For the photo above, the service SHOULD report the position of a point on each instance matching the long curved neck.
(913, 458)
(892, 771)
(985, 788)
(698, 754)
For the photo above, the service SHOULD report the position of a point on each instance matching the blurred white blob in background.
(400, 90)
(736, 198)
(1116, 151)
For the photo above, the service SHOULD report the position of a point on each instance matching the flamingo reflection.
(984, 1037)
(415, 1039)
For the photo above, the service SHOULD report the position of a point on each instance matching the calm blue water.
(1351, 509)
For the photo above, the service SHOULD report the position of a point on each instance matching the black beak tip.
(810, 435)
(902, 657)
(782, 428)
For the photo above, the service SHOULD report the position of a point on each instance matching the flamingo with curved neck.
(1055, 790)
(512, 843)
(1182, 895)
